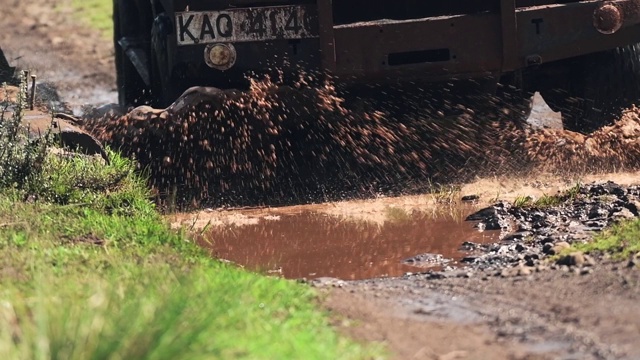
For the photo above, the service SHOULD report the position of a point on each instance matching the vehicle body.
(534, 45)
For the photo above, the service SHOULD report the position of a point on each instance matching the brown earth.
(550, 315)
(49, 39)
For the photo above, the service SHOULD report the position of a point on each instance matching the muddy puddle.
(313, 245)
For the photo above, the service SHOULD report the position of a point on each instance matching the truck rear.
(581, 55)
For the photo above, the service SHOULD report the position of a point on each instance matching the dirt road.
(547, 315)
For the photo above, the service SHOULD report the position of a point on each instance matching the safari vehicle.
(582, 56)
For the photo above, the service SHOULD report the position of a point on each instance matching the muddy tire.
(512, 104)
(132, 91)
(163, 84)
(597, 89)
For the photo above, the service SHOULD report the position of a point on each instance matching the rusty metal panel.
(246, 24)
(509, 33)
(474, 44)
(327, 39)
(486, 43)
(555, 32)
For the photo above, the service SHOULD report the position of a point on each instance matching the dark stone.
(632, 207)
(483, 215)
(469, 198)
(468, 246)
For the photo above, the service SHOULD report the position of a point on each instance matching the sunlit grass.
(97, 14)
(620, 241)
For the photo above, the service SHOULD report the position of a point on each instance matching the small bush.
(21, 158)
(29, 169)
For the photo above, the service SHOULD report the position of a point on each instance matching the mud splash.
(282, 145)
(279, 144)
(314, 245)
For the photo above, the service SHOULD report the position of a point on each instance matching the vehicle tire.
(162, 80)
(513, 104)
(502, 102)
(597, 89)
(132, 91)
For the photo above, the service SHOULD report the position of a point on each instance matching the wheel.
(500, 101)
(511, 104)
(163, 86)
(597, 88)
(132, 91)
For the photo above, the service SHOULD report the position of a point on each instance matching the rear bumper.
(433, 48)
(473, 45)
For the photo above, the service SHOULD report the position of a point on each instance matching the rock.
(438, 275)
(515, 271)
(634, 207)
(596, 212)
(541, 268)
(324, 282)
(64, 129)
(468, 246)
(574, 259)
(524, 271)
(483, 214)
(508, 272)
(586, 271)
(634, 261)
(426, 260)
(470, 198)
(589, 261)
(468, 259)
(623, 214)
(559, 247)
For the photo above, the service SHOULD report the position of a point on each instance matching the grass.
(621, 241)
(444, 194)
(89, 270)
(97, 14)
(547, 201)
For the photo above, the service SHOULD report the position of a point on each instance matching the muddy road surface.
(410, 271)
(432, 278)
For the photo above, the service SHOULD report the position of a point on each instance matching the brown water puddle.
(311, 245)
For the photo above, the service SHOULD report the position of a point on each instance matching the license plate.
(247, 24)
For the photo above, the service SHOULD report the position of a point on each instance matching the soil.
(47, 38)
(472, 315)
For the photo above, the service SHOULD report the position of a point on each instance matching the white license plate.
(247, 24)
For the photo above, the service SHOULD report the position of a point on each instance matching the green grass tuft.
(621, 241)
(547, 201)
(97, 14)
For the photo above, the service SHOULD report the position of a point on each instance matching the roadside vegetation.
(96, 13)
(547, 201)
(90, 270)
(621, 241)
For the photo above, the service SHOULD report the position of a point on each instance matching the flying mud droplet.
(281, 144)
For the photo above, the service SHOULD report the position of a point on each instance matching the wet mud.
(314, 245)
